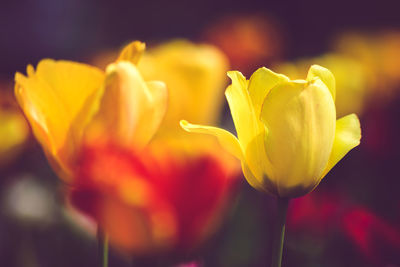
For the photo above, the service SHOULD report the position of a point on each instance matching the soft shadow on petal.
(260, 83)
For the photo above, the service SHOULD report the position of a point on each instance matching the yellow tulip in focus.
(195, 77)
(67, 102)
(288, 135)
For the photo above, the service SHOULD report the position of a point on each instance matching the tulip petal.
(347, 136)
(132, 52)
(227, 140)
(326, 77)
(156, 110)
(249, 129)
(132, 108)
(300, 117)
(260, 83)
(52, 99)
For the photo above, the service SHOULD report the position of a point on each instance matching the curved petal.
(347, 136)
(155, 111)
(132, 52)
(228, 141)
(326, 77)
(249, 129)
(132, 108)
(260, 83)
(300, 117)
(52, 99)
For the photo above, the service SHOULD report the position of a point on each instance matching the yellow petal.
(132, 52)
(249, 129)
(131, 110)
(260, 83)
(227, 140)
(300, 117)
(347, 136)
(52, 98)
(195, 75)
(231, 144)
(326, 77)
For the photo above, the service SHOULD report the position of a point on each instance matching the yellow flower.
(67, 102)
(195, 77)
(14, 131)
(288, 135)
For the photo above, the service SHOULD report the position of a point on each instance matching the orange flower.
(67, 103)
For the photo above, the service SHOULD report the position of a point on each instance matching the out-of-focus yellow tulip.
(67, 102)
(14, 131)
(195, 77)
(351, 94)
(288, 135)
(379, 54)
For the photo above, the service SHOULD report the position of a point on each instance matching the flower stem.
(103, 248)
(279, 234)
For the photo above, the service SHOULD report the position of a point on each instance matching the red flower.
(162, 198)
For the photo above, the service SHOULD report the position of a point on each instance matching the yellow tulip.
(68, 102)
(288, 135)
(195, 77)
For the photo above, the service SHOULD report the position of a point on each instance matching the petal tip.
(185, 125)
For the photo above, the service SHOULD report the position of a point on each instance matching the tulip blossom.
(288, 135)
(68, 102)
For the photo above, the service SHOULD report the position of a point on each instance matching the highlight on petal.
(260, 83)
(132, 52)
(300, 117)
(132, 108)
(326, 77)
(347, 136)
(52, 97)
(228, 141)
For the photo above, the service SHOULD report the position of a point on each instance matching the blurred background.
(351, 219)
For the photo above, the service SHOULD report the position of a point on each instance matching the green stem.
(279, 234)
(103, 248)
